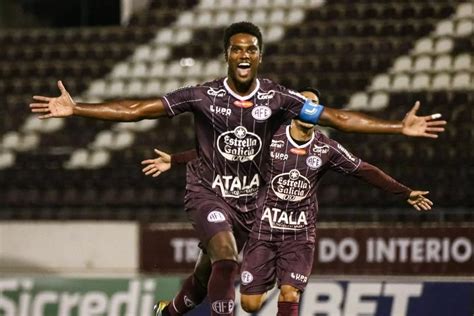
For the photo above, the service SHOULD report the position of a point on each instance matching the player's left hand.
(422, 126)
(418, 200)
(158, 165)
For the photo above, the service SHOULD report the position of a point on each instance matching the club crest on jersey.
(216, 93)
(291, 186)
(261, 112)
(314, 162)
(239, 144)
(324, 149)
(265, 95)
(215, 217)
(243, 104)
(246, 277)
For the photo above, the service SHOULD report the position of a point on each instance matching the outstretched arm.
(380, 179)
(411, 125)
(121, 110)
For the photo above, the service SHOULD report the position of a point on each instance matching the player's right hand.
(61, 106)
(418, 200)
(158, 165)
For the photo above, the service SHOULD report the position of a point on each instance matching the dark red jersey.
(233, 135)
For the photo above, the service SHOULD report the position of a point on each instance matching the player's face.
(314, 98)
(243, 58)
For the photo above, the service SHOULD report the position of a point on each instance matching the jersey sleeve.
(296, 105)
(183, 157)
(340, 159)
(181, 100)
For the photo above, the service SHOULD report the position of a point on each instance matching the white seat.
(7, 159)
(103, 139)
(214, 68)
(142, 53)
(123, 139)
(276, 17)
(465, 27)
(359, 100)
(116, 88)
(175, 70)
(441, 81)
(134, 88)
(465, 10)
(424, 46)
(421, 81)
(222, 18)
(121, 70)
(139, 70)
(98, 158)
(164, 36)
(97, 88)
(463, 62)
(445, 28)
(195, 70)
(444, 45)
(379, 100)
(207, 4)
(186, 19)
(401, 82)
(204, 19)
(158, 70)
(152, 88)
(259, 17)
(266, 4)
(274, 33)
(380, 82)
(78, 159)
(402, 64)
(442, 62)
(184, 35)
(240, 15)
(171, 85)
(422, 63)
(295, 16)
(160, 53)
(11, 140)
(244, 4)
(462, 80)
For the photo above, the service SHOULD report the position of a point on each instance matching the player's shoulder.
(268, 86)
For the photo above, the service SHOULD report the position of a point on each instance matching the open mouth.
(243, 69)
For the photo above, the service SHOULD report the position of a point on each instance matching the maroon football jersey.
(233, 135)
(288, 200)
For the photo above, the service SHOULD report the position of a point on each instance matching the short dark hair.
(242, 27)
(311, 89)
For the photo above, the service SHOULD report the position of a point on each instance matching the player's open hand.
(61, 106)
(422, 126)
(158, 165)
(418, 200)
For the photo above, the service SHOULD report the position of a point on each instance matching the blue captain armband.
(310, 112)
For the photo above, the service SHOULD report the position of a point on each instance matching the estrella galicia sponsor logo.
(261, 112)
(239, 144)
(216, 93)
(314, 162)
(246, 277)
(223, 307)
(324, 149)
(215, 217)
(299, 277)
(346, 152)
(235, 187)
(265, 95)
(285, 219)
(291, 186)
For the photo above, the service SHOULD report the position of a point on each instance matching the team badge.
(314, 162)
(261, 112)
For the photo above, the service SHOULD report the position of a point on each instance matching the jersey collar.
(292, 142)
(239, 97)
